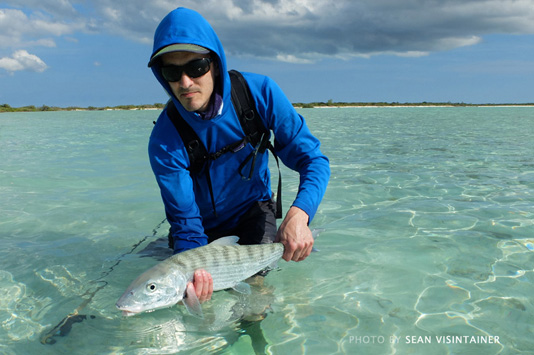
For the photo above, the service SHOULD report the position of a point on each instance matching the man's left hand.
(295, 235)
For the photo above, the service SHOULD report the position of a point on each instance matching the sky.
(95, 52)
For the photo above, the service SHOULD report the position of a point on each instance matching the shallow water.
(428, 240)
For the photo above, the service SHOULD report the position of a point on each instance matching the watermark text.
(427, 339)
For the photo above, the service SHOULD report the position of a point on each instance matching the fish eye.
(151, 287)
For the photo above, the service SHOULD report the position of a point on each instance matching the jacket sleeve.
(169, 163)
(294, 143)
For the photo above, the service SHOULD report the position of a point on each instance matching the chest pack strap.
(255, 133)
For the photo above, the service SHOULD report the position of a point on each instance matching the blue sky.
(94, 52)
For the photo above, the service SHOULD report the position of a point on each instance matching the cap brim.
(180, 47)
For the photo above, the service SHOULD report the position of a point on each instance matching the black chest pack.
(254, 132)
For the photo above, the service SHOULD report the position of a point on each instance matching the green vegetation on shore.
(31, 108)
(329, 103)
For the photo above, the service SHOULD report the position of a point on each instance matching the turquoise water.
(428, 239)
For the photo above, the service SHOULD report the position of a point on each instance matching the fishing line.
(64, 326)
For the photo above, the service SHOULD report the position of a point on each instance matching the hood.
(187, 26)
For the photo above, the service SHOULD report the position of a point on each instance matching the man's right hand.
(203, 284)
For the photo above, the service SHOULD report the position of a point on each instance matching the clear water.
(429, 233)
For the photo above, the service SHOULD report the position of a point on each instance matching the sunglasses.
(193, 69)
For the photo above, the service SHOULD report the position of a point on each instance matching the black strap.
(245, 107)
(198, 154)
(253, 128)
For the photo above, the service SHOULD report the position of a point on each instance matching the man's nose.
(185, 81)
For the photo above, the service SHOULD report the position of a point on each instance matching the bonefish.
(166, 283)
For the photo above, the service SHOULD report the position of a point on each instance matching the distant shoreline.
(31, 108)
(419, 105)
(329, 104)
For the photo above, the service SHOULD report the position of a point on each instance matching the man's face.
(193, 93)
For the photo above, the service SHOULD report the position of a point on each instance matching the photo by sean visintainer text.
(417, 339)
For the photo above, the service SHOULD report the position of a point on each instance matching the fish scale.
(227, 264)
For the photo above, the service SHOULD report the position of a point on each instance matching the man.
(189, 62)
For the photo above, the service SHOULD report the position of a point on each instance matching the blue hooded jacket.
(186, 197)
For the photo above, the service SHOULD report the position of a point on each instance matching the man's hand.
(203, 285)
(295, 235)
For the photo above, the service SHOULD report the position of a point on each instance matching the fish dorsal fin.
(231, 240)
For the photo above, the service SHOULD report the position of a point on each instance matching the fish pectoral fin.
(191, 302)
(316, 232)
(242, 287)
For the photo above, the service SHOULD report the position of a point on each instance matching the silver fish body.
(228, 264)
(165, 284)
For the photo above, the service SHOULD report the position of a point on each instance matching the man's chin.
(191, 106)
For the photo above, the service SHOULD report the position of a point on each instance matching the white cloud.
(22, 60)
(286, 30)
(312, 29)
(17, 29)
(289, 58)
(57, 8)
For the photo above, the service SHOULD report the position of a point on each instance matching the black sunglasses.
(193, 69)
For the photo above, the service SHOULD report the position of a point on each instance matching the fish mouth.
(129, 311)
(126, 311)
